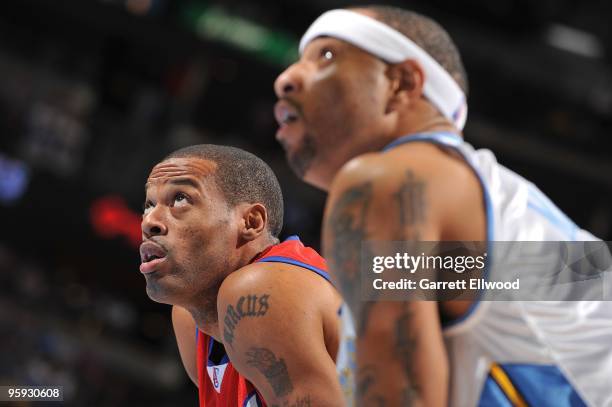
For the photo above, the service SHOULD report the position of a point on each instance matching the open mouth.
(151, 256)
(285, 113)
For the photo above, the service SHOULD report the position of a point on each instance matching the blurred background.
(94, 92)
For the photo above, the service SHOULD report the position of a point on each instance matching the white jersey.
(514, 353)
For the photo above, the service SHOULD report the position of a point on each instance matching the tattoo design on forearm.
(273, 369)
(366, 380)
(246, 306)
(405, 348)
(347, 224)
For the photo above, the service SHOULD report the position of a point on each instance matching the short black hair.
(427, 34)
(242, 177)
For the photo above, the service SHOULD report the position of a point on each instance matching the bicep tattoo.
(273, 369)
(347, 227)
(410, 199)
(251, 305)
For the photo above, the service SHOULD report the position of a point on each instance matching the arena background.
(93, 93)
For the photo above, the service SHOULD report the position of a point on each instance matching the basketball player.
(266, 316)
(372, 112)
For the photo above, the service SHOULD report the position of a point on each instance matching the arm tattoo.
(347, 223)
(412, 214)
(405, 348)
(273, 369)
(366, 397)
(299, 402)
(411, 202)
(249, 306)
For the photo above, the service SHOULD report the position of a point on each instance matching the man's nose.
(153, 223)
(289, 82)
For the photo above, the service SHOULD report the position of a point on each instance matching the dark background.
(94, 93)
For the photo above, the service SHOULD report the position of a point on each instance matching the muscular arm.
(400, 353)
(272, 324)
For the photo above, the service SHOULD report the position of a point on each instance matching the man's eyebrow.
(184, 181)
(178, 181)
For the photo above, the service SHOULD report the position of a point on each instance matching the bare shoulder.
(277, 291)
(285, 280)
(426, 160)
(422, 175)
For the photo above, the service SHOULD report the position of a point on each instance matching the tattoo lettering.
(299, 402)
(411, 202)
(249, 306)
(273, 369)
(405, 347)
(347, 224)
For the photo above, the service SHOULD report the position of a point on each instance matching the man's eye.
(148, 205)
(327, 54)
(180, 199)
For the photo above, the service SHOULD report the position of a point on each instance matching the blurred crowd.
(101, 349)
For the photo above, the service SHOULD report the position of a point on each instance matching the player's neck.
(254, 248)
(422, 118)
(431, 125)
(203, 307)
(205, 320)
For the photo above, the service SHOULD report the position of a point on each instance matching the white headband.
(392, 46)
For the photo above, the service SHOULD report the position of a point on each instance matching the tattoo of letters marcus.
(246, 306)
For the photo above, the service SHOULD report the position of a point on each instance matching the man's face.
(187, 229)
(331, 105)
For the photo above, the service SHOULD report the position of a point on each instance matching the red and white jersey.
(220, 384)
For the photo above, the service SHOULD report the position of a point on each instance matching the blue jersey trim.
(224, 359)
(492, 395)
(446, 138)
(293, 237)
(282, 259)
(248, 397)
(542, 385)
(538, 385)
(454, 141)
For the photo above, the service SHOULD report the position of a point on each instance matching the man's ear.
(406, 81)
(255, 221)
